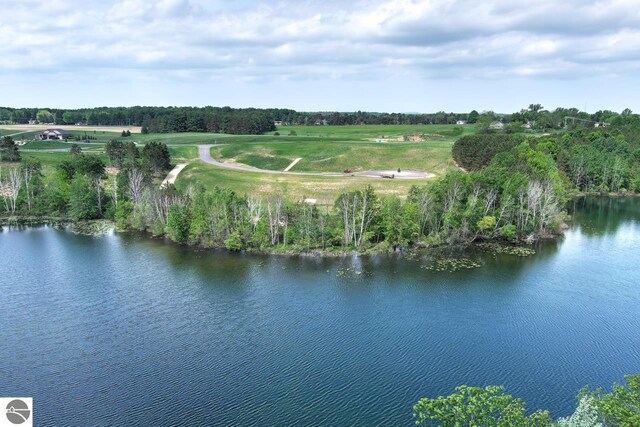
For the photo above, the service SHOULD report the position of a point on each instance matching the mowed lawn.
(338, 155)
(364, 132)
(324, 189)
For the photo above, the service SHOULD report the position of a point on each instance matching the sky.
(324, 55)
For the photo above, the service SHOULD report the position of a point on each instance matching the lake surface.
(121, 330)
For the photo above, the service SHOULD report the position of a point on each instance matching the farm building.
(461, 122)
(55, 134)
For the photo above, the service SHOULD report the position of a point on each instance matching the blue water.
(122, 330)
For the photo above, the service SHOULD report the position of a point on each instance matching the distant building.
(496, 125)
(461, 122)
(54, 134)
(278, 123)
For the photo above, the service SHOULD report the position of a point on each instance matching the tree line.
(80, 187)
(254, 121)
(153, 119)
(589, 160)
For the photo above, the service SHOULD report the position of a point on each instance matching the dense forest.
(256, 121)
(603, 160)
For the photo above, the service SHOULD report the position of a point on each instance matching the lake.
(124, 330)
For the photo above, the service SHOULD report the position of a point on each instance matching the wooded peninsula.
(515, 174)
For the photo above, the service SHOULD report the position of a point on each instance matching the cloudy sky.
(374, 55)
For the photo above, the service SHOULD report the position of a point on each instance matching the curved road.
(204, 152)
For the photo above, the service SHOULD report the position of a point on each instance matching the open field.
(295, 187)
(321, 148)
(336, 156)
(368, 132)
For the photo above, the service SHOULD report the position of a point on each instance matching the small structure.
(496, 125)
(54, 134)
(278, 122)
(461, 122)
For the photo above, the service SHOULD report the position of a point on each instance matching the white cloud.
(316, 40)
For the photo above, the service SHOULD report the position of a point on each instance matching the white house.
(461, 122)
(54, 134)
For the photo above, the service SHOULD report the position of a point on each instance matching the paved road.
(204, 151)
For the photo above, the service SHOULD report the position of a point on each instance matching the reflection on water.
(599, 216)
(120, 330)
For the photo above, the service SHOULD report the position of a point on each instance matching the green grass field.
(325, 189)
(322, 149)
(336, 148)
(368, 132)
(337, 155)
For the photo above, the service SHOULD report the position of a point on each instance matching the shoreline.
(102, 227)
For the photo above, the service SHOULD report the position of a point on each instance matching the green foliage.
(473, 152)
(83, 164)
(123, 214)
(156, 158)
(44, 116)
(620, 407)
(122, 153)
(234, 242)
(509, 232)
(178, 222)
(475, 406)
(9, 150)
(491, 407)
(83, 198)
(487, 223)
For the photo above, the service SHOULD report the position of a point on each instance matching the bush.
(233, 242)
(178, 223)
(509, 232)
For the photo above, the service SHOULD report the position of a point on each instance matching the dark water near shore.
(119, 330)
